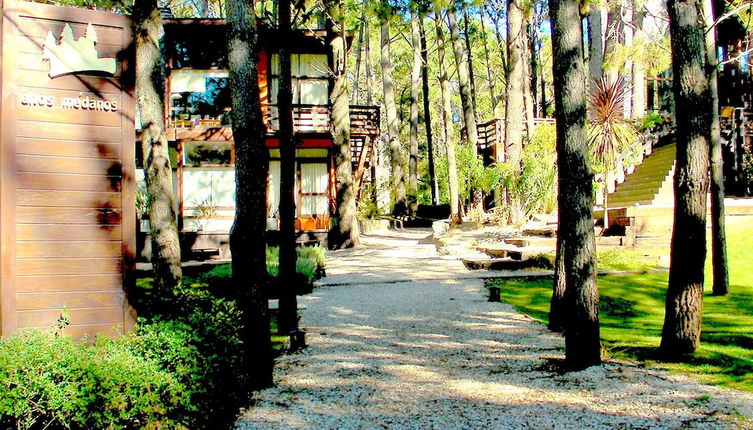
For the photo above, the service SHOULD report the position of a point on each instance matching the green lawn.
(632, 312)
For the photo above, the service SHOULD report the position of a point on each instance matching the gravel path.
(402, 339)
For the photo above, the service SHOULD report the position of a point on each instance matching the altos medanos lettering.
(83, 103)
(89, 103)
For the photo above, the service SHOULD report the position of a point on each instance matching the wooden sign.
(67, 220)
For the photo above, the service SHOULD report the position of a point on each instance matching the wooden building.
(67, 233)
(197, 105)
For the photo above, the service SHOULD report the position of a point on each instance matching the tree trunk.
(393, 127)
(159, 180)
(575, 196)
(449, 139)
(627, 34)
(471, 77)
(251, 165)
(369, 73)
(489, 78)
(344, 232)
(287, 279)
(531, 31)
(718, 234)
(357, 79)
(682, 322)
(427, 113)
(639, 73)
(596, 45)
(415, 78)
(527, 90)
(466, 96)
(558, 306)
(514, 90)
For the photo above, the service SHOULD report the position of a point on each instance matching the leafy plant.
(204, 212)
(610, 135)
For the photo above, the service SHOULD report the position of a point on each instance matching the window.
(311, 185)
(310, 83)
(207, 153)
(314, 186)
(199, 97)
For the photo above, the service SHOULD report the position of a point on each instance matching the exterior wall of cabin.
(67, 210)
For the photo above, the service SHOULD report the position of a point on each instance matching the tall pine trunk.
(489, 78)
(527, 88)
(718, 234)
(466, 96)
(558, 305)
(415, 79)
(251, 165)
(514, 90)
(357, 79)
(449, 139)
(427, 113)
(682, 322)
(288, 306)
(369, 73)
(595, 44)
(639, 72)
(344, 232)
(158, 174)
(393, 127)
(471, 76)
(575, 196)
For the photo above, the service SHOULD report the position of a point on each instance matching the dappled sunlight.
(419, 353)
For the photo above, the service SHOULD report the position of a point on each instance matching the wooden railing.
(364, 120)
(316, 119)
(306, 118)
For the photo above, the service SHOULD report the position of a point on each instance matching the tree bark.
(415, 78)
(575, 197)
(354, 93)
(251, 166)
(489, 78)
(427, 113)
(514, 90)
(158, 173)
(558, 306)
(471, 77)
(369, 73)
(393, 127)
(682, 323)
(466, 96)
(344, 232)
(527, 90)
(449, 139)
(596, 45)
(639, 72)
(288, 306)
(531, 30)
(718, 234)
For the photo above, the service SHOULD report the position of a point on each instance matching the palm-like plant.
(610, 134)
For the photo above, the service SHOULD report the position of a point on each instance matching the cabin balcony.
(307, 119)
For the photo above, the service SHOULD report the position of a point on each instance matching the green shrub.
(49, 381)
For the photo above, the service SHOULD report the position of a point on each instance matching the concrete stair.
(516, 253)
(650, 184)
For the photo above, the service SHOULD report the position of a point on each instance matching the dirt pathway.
(400, 338)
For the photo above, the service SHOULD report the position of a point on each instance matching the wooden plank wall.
(66, 192)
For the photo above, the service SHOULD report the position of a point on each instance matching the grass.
(632, 312)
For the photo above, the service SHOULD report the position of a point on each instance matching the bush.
(51, 382)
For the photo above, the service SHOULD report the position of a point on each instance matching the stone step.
(544, 231)
(532, 241)
(610, 240)
(517, 253)
(496, 264)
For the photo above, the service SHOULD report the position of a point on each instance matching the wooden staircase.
(650, 183)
